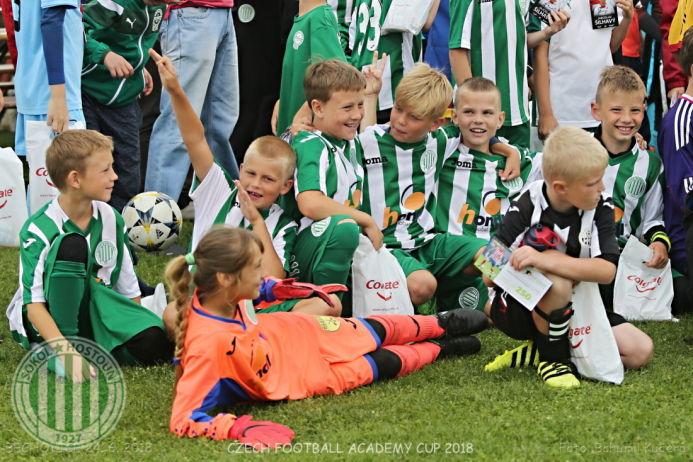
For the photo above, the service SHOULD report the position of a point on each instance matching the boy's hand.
(660, 257)
(304, 124)
(118, 66)
(148, 83)
(627, 7)
(512, 167)
(642, 144)
(374, 75)
(58, 115)
(546, 125)
(557, 21)
(77, 369)
(166, 71)
(248, 209)
(525, 256)
(374, 234)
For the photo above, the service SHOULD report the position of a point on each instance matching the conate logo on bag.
(387, 286)
(580, 333)
(642, 285)
(3, 195)
(43, 172)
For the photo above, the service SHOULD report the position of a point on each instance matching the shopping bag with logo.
(379, 285)
(38, 139)
(642, 293)
(13, 212)
(593, 346)
(405, 16)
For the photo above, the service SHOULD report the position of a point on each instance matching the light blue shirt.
(31, 77)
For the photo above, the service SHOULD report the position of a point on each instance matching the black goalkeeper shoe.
(462, 321)
(457, 346)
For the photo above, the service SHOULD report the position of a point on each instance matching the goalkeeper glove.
(260, 435)
(289, 289)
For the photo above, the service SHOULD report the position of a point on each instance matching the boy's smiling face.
(621, 115)
(98, 178)
(263, 180)
(479, 116)
(341, 116)
(406, 126)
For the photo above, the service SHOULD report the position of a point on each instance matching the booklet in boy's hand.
(527, 286)
(543, 8)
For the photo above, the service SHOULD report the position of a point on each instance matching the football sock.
(555, 347)
(337, 256)
(64, 297)
(401, 329)
(414, 356)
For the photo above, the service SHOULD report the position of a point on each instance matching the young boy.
(569, 201)
(634, 176)
(75, 271)
(676, 150)
(249, 202)
(118, 34)
(314, 36)
(402, 164)
(488, 39)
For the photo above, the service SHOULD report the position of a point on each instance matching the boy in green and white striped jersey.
(342, 12)
(76, 276)
(402, 164)
(250, 202)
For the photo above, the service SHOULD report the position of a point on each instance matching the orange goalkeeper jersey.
(265, 357)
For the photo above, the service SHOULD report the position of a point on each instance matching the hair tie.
(190, 259)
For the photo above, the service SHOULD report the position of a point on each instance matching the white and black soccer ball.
(153, 221)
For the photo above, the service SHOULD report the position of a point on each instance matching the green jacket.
(125, 27)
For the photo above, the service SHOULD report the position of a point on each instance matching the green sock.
(335, 263)
(123, 356)
(65, 292)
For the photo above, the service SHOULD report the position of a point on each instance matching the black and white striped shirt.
(582, 233)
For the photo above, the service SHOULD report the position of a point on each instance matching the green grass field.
(451, 410)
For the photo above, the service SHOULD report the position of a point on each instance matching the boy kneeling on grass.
(569, 202)
(74, 251)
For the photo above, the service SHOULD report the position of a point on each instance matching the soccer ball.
(153, 221)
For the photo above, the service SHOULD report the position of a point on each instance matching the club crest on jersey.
(428, 160)
(156, 21)
(635, 187)
(319, 227)
(585, 237)
(513, 185)
(328, 323)
(298, 39)
(469, 298)
(105, 253)
(246, 13)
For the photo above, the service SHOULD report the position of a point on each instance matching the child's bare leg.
(634, 345)
(487, 312)
(422, 286)
(169, 318)
(317, 306)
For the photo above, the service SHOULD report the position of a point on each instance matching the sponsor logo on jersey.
(585, 237)
(265, 367)
(688, 184)
(469, 298)
(641, 285)
(158, 16)
(43, 172)
(411, 200)
(491, 205)
(294, 270)
(376, 160)
(328, 323)
(428, 160)
(105, 253)
(319, 227)
(462, 164)
(355, 201)
(298, 39)
(246, 13)
(513, 185)
(635, 187)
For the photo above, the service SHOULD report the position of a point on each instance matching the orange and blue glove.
(289, 289)
(260, 435)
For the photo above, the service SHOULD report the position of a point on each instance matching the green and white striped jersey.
(399, 183)
(216, 202)
(110, 259)
(471, 198)
(403, 49)
(634, 181)
(342, 10)
(327, 165)
(494, 33)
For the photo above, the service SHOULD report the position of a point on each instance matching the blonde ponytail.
(178, 279)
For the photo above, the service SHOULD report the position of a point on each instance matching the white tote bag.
(642, 293)
(406, 16)
(38, 139)
(593, 346)
(13, 212)
(378, 282)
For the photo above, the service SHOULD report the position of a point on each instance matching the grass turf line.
(506, 415)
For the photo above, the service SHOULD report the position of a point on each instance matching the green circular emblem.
(635, 187)
(469, 298)
(105, 253)
(246, 13)
(62, 413)
(513, 185)
(298, 39)
(319, 227)
(428, 160)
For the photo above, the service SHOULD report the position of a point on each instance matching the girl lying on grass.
(227, 354)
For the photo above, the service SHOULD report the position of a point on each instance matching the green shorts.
(516, 134)
(446, 256)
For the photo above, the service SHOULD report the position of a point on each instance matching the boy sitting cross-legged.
(569, 202)
(249, 202)
(75, 274)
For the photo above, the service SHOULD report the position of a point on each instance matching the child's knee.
(635, 346)
(422, 286)
(559, 294)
